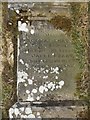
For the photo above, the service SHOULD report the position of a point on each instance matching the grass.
(79, 42)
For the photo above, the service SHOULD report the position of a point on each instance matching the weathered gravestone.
(46, 71)
(46, 65)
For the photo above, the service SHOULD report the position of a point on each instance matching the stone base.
(24, 110)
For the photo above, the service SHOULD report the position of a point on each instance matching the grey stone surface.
(46, 65)
(25, 110)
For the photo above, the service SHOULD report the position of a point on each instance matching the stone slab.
(47, 66)
(23, 110)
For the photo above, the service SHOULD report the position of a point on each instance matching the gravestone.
(46, 62)
(45, 65)
(46, 71)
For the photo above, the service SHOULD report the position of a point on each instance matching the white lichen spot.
(21, 61)
(53, 87)
(38, 98)
(17, 11)
(26, 21)
(61, 83)
(24, 41)
(11, 111)
(41, 89)
(66, 65)
(21, 80)
(26, 45)
(27, 91)
(32, 31)
(42, 69)
(10, 23)
(39, 117)
(16, 111)
(47, 71)
(24, 116)
(45, 77)
(22, 26)
(46, 89)
(57, 86)
(60, 86)
(27, 52)
(28, 110)
(27, 68)
(37, 102)
(38, 113)
(47, 82)
(30, 98)
(50, 85)
(9, 5)
(44, 72)
(31, 94)
(35, 69)
(51, 68)
(30, 82)
(55, 70)
(22, 76)
(21, 109)
(56, 77)
(32, 77)
(25, 85)
(41, 60)
(25, 75)
(45, 85)
(39, 71)
(31, 116)
(61, 70)
(53, 54)
(27, 65)
(34, 91)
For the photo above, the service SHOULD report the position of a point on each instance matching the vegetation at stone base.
(8, 92)
(8, 74)
(82, 89)
(79, 47)
(77, 39)
(80, 44)
(61, 22)
(83, 114)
